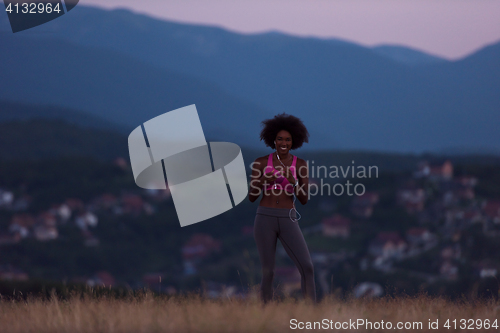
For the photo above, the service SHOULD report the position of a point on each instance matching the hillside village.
(443, 206)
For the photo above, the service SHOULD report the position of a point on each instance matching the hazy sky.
(448, 28)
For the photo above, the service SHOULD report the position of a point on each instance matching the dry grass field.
(149, 313)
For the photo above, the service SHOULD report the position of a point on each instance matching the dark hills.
(127, 68)
(116, 88)
(48, 138)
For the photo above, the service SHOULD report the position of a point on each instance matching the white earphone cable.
(297, 214)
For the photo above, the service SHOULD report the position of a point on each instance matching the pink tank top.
(281, 182)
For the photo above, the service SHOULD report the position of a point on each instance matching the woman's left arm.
(302, 189)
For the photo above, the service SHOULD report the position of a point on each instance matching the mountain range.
(127, 68)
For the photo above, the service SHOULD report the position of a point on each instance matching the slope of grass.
(193, 313)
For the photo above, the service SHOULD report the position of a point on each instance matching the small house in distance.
(196, 248)
(368, 290)
(362, 206)
(21, 224)
(418, 235)
(102, 279)
(45, 227)
(435, 172)
(412, 199)
(491, 209)
(336, 226)
(10, 273)
(387, 244)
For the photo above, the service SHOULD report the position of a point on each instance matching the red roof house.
(336, 226)
(199, 246)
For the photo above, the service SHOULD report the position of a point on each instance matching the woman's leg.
(266, 235)
(295, 245)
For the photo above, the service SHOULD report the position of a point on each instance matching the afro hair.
(286, 122)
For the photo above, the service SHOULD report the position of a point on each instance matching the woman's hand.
(288, 174)
(270, 176)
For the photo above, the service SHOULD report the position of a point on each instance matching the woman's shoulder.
(301, 162)
(261, 160)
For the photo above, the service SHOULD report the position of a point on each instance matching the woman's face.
(283, 142)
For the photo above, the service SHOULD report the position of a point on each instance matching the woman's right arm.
(256, 180)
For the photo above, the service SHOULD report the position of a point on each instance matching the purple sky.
(448, 28)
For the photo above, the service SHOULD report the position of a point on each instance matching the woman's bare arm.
(256, 179)
(302, 190)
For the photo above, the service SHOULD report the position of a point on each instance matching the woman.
(279, 177)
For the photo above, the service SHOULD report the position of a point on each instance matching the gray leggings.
(271, 224)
